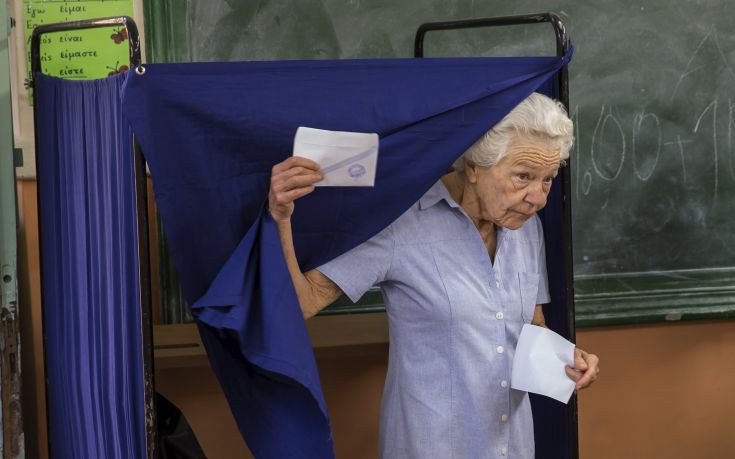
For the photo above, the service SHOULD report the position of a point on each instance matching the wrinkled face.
(515, 188)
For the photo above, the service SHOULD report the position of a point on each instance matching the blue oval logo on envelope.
(356, 171)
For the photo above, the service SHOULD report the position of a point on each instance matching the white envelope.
(539, 361)
(345, 158)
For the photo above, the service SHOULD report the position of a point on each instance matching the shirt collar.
(439, 192)
(436, 193)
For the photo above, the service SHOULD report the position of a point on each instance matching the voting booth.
(210, 133)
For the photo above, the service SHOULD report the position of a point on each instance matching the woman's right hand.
(291, 180)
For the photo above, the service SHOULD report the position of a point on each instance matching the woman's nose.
(536, 196)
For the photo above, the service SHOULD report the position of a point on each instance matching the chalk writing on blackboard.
(612, 133)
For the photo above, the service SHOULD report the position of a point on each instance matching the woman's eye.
(523, 176)
(548, 179)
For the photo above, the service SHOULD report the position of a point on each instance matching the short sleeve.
(543, 295)
(356, 270)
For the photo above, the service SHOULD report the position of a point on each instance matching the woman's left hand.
(586, 368)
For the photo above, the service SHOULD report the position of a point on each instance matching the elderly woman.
(461, 271)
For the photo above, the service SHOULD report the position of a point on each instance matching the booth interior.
(651, 272)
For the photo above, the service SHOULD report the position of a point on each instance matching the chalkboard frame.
(655, 297)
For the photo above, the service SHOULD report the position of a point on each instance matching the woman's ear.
(470, 171)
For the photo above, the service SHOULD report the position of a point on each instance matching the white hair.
(537, 118)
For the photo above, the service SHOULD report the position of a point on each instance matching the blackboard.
(652, 96)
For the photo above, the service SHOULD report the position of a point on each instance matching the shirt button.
(504, 451)
(499, 316)
(499, 349)
(504, 417)
(503, 383)
(497, 283)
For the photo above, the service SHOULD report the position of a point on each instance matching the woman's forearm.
(292, 179)
(314, 290)
(300, 282)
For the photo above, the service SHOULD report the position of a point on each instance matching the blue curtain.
(211, 133)
(90, 284)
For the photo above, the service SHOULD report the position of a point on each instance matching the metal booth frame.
(562, 46)
(146, 327)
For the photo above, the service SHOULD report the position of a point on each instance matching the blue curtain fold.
(211, 132)
(89, 278)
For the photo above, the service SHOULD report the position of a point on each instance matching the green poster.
(82, 54)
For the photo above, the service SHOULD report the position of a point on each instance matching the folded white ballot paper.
(345, 158)
(539, 361)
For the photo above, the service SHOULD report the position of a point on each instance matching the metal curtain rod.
(562, 39)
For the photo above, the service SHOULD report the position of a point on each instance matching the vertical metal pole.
(35, 69)
(562, 45)
(144, 269)
(11, 414)
(149, 388)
